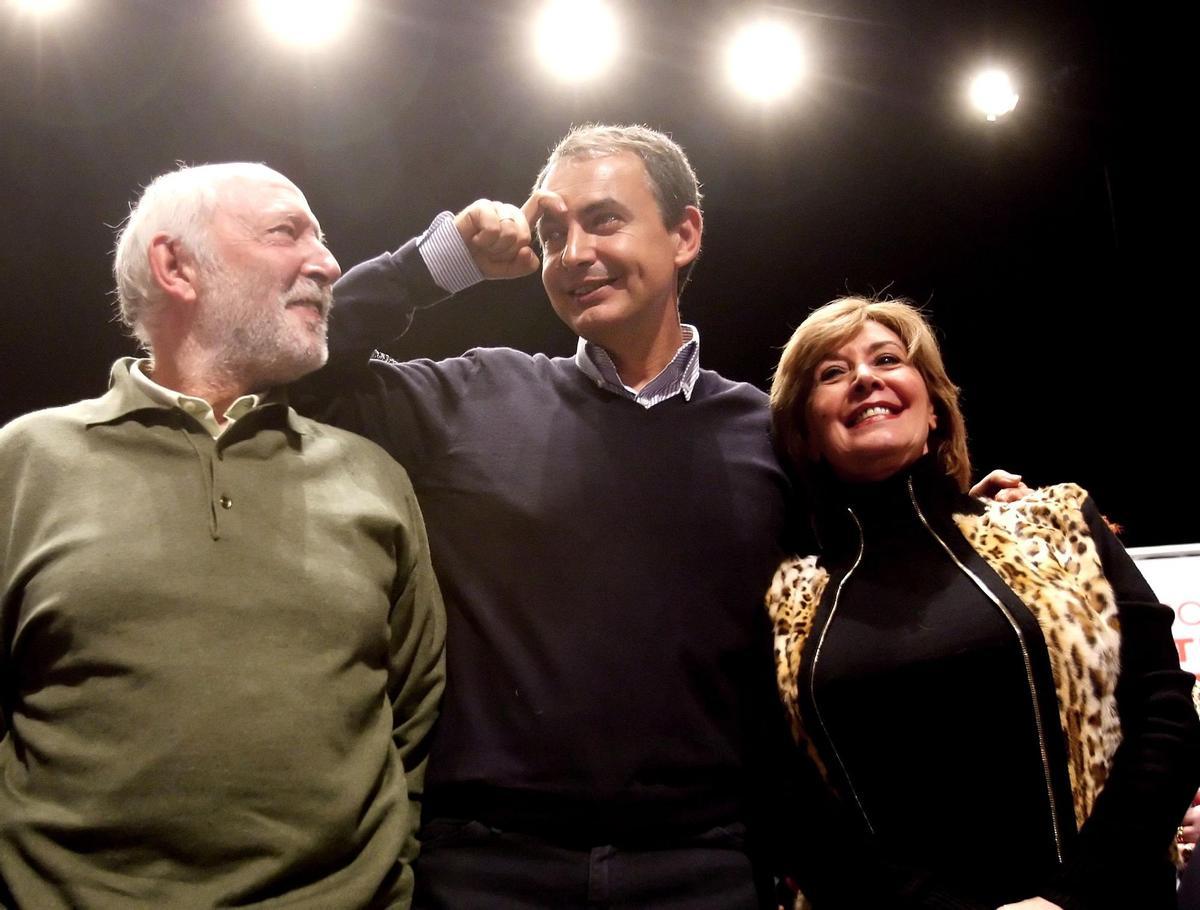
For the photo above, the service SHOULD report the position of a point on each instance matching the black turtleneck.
(923, 699)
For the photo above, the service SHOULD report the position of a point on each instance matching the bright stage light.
(40, 7)
(306, 23)
(992, 94)
(765, 60)
(576, 40)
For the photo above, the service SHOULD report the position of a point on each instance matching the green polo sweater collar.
(125, 396)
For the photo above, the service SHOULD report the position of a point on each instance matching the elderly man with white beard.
(222, 637)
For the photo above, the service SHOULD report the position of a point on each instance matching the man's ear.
(173, 268)
(687, 236)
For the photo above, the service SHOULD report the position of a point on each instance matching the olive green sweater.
(220, 661)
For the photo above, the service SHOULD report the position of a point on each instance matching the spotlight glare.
(40, 7)
(765, 60)
(306, 23)
(576, 40)
(992, 94)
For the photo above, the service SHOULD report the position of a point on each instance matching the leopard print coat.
(1043, 550)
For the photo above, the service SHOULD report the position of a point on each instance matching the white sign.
(1174, 574)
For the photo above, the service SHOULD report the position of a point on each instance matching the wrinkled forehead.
(596, 174)
(252, 196)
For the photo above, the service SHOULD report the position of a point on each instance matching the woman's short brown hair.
(831, 326)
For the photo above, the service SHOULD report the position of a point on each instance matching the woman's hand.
(1033, 903)
(1189, 828)
(1001, 486)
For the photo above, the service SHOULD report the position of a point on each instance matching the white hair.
(179, 204)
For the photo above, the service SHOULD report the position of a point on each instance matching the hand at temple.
(499, 235)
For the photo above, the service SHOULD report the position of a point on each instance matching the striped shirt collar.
(677, 378)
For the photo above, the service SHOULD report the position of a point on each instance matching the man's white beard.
(244, 322)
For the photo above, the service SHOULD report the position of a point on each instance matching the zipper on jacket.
(1033, 694)
(812, 676)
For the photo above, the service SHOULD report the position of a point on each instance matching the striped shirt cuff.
(446, 255)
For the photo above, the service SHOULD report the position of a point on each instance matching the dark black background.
(1051, 248)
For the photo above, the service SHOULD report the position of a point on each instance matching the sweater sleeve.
(416, 670)
(1156, 768)
(397, 405)
(375, 301)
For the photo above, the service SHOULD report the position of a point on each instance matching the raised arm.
(375, 301)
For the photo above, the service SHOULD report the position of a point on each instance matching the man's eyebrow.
(302, 218)
(608, 202)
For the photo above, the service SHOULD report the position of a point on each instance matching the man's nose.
(578, 248)
(322, 267)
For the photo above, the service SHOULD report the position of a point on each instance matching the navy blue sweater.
(603, 568)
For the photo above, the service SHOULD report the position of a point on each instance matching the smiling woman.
(853, 353)
(945, 659)
(869, 411)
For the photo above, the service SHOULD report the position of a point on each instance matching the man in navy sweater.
(603, 527)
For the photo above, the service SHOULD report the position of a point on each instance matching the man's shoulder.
(499, 364)
(48, 423)
(713, 384)
(353, 444)
(353, 451)
(501, 359)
